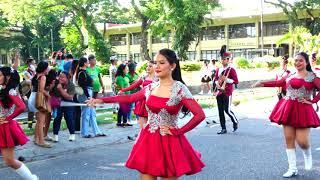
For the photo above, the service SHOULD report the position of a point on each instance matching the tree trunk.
(104, 29)
(144, 51)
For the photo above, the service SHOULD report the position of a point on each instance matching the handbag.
(78, 90)
(81, 97)
(41, 101)
(55, 101)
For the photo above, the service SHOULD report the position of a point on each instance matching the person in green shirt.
(95, 74)
(132, 76)
(122, 81)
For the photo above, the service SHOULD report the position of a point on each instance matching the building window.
(3, 59)
(121, 57)
(275, 28)
(191, 55)
(238, 53)
(249, 54)
(242, 31)
(213, 33)
(118, 39)
(209, 54)
(135, 38)
(162, 39)
(136, 57)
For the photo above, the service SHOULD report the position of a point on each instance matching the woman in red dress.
(140, 109)
(295, 112)
(11, 134)
(162, 150)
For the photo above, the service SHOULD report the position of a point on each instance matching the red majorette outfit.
(164, 155)
(288, 111)
(11, 134)
(140, 109)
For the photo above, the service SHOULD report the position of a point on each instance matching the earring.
(171, 69)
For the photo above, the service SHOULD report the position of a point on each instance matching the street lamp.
(261, 27)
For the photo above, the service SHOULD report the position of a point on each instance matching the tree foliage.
(301, 40)
(301, 13)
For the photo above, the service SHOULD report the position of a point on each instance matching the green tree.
(144, 11)
(301, 40)
(185, 17)
(35, 21)
(301, 13)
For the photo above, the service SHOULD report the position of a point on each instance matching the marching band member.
(225, 78)
(295, 111)
(162, 150)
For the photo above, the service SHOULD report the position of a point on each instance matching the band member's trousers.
(224, 103)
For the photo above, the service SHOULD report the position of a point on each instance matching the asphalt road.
(255, 152)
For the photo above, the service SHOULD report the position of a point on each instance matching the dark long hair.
(172, 58)
(11, 81)
(81, 63)
(132, 68)
(120, 70)
(42, 66)
(306, 57)
(74, 67)
(52, 75)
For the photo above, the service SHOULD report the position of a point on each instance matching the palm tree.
(299, 37)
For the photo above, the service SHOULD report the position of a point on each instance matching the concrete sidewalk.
(251, 109)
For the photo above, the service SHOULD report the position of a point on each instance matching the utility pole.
(261, 27)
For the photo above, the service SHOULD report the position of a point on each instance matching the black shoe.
(100, 135)
(87, 136)
(127, 124)
(235, 127)
(130, 138)
(120, 125)
(223, 131)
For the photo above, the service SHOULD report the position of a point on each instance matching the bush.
(260, 64)
(22, 68)
(142, 66)
(273, 64)
(188, 66)
(242, 63)
(105, 69)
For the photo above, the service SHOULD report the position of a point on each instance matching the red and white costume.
(164, 155)
(11, 134)
(289, 111)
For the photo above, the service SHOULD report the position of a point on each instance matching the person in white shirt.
(112, 72)
(206, 73)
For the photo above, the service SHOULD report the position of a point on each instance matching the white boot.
(201, 92)
(25, 173)
(55, 138)
(307, 158)
(72, 137)
(292, 171)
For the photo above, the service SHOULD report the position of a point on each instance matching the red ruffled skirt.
(164, 156)
(295, 114)
(140, 109)
(11, 135)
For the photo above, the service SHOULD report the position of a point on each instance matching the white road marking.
(105, 168)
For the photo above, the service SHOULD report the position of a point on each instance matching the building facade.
(241, 32)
